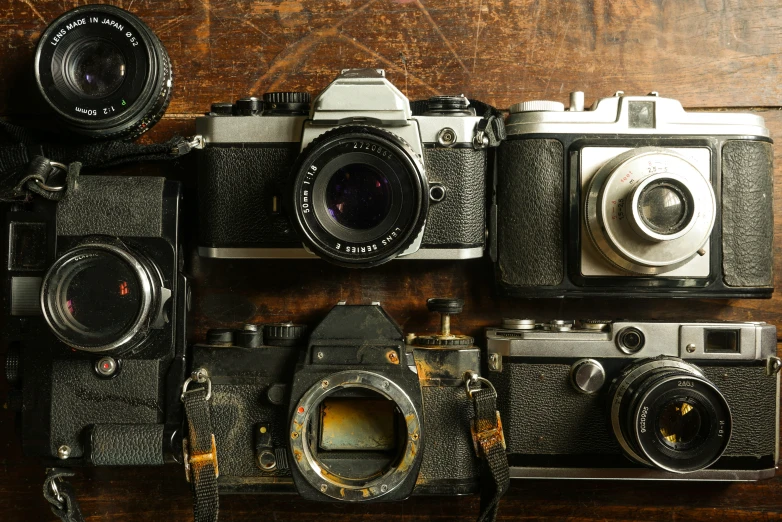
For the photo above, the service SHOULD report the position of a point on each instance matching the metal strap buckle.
(197, 459)
(200, 376)
(483, 440)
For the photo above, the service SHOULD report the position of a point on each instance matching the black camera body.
(637, 400)
(340, 414)
(359, 179)
(96, 322)
(635, 197)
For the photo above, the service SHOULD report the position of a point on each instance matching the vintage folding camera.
(637, 400)
(636, 197)
(96, 312)
(359, 178)
(348, 413)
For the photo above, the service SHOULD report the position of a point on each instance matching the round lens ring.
(95, 68)
(97, 298)
(103, 72)
(666, 414)
(358, 196)
(664, 208)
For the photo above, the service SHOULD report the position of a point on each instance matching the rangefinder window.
(722, 341)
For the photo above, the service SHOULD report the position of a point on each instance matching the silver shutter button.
(587, 376)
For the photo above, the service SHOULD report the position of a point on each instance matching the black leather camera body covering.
(258, 382)
(69, 412)
(243, 189)
(537, 219)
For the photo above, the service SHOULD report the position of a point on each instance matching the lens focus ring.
(104, 72)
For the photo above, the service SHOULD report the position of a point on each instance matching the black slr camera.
(96, 312)
(349, 412)
(360, 178)
(633, 197)
(637, 400)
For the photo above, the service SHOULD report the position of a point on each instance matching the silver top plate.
(636, 115)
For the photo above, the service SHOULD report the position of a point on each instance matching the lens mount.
(339, 486)
(359, 196)
(649, 210)
(100, 298)
(104, 72)
(666, 414)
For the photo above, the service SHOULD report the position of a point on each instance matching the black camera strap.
(60, 494)
(200, 453)
(32, 153)
(489, 441)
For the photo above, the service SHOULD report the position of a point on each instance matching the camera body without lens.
(96, 322)
(633, 197)
(347, 413)
(637, 400)
(359, 179)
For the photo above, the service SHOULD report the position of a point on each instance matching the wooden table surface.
(709, 54)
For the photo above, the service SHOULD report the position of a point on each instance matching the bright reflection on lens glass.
(98, 68)
(679, 422)
(358, 196)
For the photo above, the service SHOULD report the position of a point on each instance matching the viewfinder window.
(722, 341)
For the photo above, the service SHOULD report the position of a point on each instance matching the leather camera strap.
(60, 494)
(489, 442)
(29, 148)
(200, 453)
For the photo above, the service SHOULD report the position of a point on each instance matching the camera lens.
(98, 298)
(649, 210)
(359, 196)
(104, 72)
(666, 414)
(664, 206)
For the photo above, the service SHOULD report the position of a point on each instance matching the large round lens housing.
(359, 196)
(104, 72)
(666, 414)
(100, 297)
(649, 210)
(356, 436)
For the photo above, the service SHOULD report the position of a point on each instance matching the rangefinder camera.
(635, 196)
(637, 400)
(349, 412)
(95, 329)
(359, 178)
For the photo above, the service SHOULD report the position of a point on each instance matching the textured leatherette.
(460, 218)
(127, 445)
(530, 190)
(236, 187)
(81, 399)
(130, 206)
(747, 213)
(449, 454)
(543, 415)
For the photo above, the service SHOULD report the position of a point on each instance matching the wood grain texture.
(709, 53)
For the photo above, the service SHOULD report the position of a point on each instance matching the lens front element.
(98, 298)
(96, 68)
(649, 210)
(358, 196)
